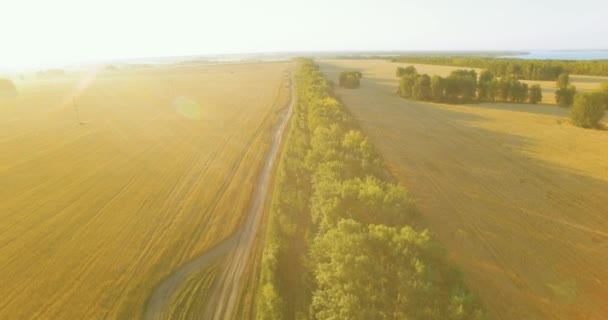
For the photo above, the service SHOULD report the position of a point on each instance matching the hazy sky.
(43, 31)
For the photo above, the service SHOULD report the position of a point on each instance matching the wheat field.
(516, 194)
(111, 179)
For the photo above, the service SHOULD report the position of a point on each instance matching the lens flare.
(84, 83)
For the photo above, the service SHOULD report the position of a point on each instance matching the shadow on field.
(528, 108)
(531, 236)
(588, 79)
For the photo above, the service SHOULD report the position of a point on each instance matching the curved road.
(239, 246)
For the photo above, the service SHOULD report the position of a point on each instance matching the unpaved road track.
(239, 246)
(224, 293)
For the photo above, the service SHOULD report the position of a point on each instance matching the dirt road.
(516, 194)
(239, 246)
(223, 295)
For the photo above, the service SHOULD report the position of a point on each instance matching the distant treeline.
(51, 73)
(381, 55)
(340, 242)
(518, 68)
(463, 86)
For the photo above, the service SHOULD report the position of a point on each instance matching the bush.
(588, 110)
(349, 79)
(7, 89)
(535, 95)
(565, 96)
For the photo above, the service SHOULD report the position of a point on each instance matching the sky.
(42, 32)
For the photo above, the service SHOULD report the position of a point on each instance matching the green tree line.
(463, 86)
(343, 240)
(521, 69)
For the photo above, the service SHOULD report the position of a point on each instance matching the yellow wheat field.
(109, 180)
(517, 195)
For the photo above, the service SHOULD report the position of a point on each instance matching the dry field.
(160, 168)
(582, 83)
(518, 196)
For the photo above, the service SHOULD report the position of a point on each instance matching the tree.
(518, 91)
(7, 89)
(504, 89)
(406, 85)
(493, 89)
(437, 88)
(485, 78)
(461, 86)
(380, 272)
(565, 96)
(588, 110)
(536, 94)
(401, 71)
(563, 81)
(349, 79)
(422, 88)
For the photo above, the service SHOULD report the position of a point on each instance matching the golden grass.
(381, 67)
(515, 193)
(94, 215)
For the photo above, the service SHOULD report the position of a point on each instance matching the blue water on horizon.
(564, 55)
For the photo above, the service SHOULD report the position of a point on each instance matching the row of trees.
(463, 86)
(341, 242)
(349, 79)
(520, 69)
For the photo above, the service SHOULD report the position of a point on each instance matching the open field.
(515, 193)
(110, 181)
(582, 83)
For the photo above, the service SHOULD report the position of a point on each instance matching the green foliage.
(588, 109)
(459, 86)
(536, 94)
(422, 88)
(367, 200)
(518, 68)
(406, 85)
(401, 71)
(604, 92)
(484, 85)
(563, 81)
(437, 88)
(7, 89)
(339, 244)
(350, 79)
(565, 96)
(380, 272)
(518, 91)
